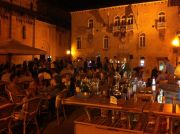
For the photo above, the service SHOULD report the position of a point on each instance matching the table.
(163, 109)
(104, 103)
(100, 102)
(170, 111)
(129, 106)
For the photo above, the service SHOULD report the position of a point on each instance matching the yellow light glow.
(73, 51)
(177, 71)
(175, 42)
(68, 52)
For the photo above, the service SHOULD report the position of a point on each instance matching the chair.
(2, 88)
(44, 108)
(59, 98)
(14, 98)
(28, 113)
(6, 117)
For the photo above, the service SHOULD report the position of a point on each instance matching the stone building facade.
(26, 28)
(142, 33)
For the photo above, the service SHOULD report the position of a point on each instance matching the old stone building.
(142, 33)
(18, 20)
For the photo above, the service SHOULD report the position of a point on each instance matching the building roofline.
(118, 6)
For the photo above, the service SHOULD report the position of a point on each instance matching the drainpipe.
(33, 37)
(34, 22)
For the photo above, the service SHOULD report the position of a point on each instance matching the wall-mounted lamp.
(68, 52)
(176, 41)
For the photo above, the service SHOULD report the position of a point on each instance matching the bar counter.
(140, 111)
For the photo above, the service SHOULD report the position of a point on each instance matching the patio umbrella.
(14, 47)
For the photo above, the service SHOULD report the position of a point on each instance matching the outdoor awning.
(14, 47)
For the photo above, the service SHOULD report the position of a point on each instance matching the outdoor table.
(100, 102)
(170, 111)
(128, 107)
(92, 102)
(163, 109)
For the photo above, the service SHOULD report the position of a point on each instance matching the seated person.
(13, 87)
(6, 76)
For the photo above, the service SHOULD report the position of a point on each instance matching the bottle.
(153, 84)
(129, 91)
(173, 105)
(160, 97)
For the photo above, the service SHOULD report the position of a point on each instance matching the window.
(123, 20)
(90, 23)
(79, 43)
(161, 17)
(142, 61)
(142, 41)
(117, 21)
(24, 32)
(106, 42)
(130, 20)
(162, 65)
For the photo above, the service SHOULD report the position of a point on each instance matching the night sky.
(58, 11)
(73, 5)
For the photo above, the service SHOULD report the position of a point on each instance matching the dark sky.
(59, 10)
(73, 5)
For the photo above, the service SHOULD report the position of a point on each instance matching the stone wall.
(158, 36)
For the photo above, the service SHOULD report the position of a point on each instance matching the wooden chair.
(59, 98)
(2, 88)
(44, 108)
(28, 113)
(14, 98)
(6, 117)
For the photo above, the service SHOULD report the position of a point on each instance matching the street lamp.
(68, 52)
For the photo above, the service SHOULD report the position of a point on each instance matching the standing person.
(169, 67)
(85, 66)
(154, 72)
(115, 64)
(98, 63)
(169, 70)
(106, 62)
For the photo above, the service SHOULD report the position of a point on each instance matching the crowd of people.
(165, 75)
(41, 76)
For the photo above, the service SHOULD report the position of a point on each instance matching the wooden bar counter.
(100, 102)
(143, 110)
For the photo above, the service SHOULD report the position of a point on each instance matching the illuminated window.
(142, 61)
(117, 21)
(78, 42)
(142, 40)
(106, 42)
(123, 20)
(24, 32)
(161, 17)
(162, 65)
(90, 23)
(130, 20)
